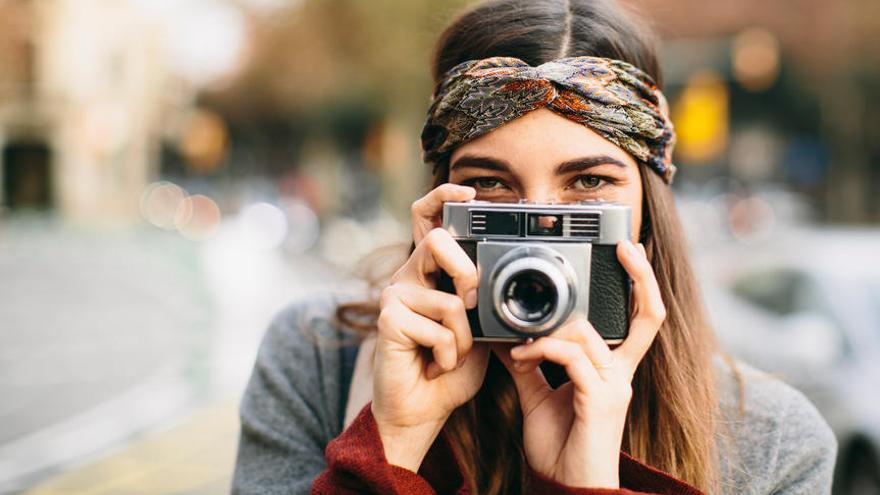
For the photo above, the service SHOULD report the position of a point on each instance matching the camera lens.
(530, 295)
(533, 290)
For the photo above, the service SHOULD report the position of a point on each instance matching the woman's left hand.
(573, 434)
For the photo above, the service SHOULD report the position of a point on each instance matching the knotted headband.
(615, 99)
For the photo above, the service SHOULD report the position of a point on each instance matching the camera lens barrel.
(533, 290)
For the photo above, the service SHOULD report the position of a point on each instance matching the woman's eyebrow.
(566, 167)
(472, 161)
(581, 164)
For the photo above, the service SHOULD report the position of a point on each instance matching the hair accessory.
(612, 97)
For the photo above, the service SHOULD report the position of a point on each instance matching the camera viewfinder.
(545, 225)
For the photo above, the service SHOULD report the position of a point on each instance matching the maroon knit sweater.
(356, 464)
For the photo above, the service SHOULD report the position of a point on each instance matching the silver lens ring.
(553, 272)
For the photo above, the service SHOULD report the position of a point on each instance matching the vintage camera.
(541, 264)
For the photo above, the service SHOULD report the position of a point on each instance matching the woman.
(543, 101)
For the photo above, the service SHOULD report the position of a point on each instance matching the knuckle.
(385, 320)
(399, 274)
(567, 349)
(468, 275)
(418, 205)
(432, 238)
(661, 313)
(435, 236)
(584, 330)
(388, 295)
(575, 333)
(657, 312)
(452, 305)
(447, 339)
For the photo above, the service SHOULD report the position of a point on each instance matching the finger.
(399, 324)
(568, 354)
(527, 365)
(531, 385)
(447, 309)
(650, 310)
(427, 210)
(582, 332)
(439, 251)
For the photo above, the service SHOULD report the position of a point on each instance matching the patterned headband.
(613, 98)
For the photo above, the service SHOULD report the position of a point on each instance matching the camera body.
(539, 265)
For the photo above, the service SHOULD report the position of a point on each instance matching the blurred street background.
(174, 172)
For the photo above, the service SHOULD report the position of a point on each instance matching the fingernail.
(630, 248)
(470, 300)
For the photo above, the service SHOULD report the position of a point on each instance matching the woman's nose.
(541, 195)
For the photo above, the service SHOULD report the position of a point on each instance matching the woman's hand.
(573, 434)
(424, 366)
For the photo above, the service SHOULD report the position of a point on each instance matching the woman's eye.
(485, 183)
(587, 182)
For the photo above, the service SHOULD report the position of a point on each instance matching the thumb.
(531, 385)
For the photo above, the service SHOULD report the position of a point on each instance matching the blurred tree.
(323, 51)
(352, 72)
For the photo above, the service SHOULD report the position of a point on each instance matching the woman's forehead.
(541, 136)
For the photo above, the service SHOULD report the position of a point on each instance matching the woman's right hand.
(424, 364)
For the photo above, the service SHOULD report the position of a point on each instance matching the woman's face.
(545, 157)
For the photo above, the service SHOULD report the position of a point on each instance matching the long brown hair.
(671, 420)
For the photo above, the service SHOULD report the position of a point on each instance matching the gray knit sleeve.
(292, 404)
(780, 445)
(806, 451)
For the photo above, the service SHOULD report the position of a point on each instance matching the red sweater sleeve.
(356, 463)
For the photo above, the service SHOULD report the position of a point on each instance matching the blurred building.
(81, 99)
(780, 94)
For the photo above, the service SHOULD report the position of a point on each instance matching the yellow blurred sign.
(701, 117)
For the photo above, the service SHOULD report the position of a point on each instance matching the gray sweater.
(295, 402)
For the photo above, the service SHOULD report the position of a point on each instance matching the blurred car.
(806, 308)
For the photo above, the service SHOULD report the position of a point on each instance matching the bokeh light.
(303, 226)
(160, 202)
(701, 117)
(204, 140)
(751, 219)
(756, 59)
(197, 217)
(263, 225)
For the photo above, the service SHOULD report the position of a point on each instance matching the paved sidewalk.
(123, 353)
(194, 457)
